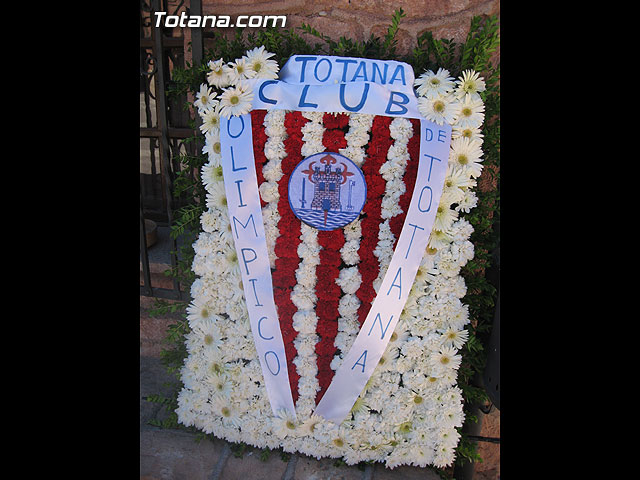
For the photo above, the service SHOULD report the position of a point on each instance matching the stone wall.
(358, 19)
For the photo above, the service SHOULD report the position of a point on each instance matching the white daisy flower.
(445, 215)
(199, 310)
(217, 196)
(204, 98)
(470, 133)
(220, 383)
(239, 71)
(455, 338)
(470, 84)
(258, 61)
(446, 359)
(433, 85)
(439, 110)
(219, 74)
(236, 101)
(439, 239)
(284, 424)
(211, 119)
(467, 154)
(227, 409)
(470, 113)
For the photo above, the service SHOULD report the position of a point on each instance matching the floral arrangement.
(324, 281)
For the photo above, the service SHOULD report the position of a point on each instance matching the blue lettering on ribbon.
(304, 61)
(363, 99)
(383, 80)
(383, 330)
(399, 69)
(229, 127)
(360, 72)
(303, 98)
(260, 332)
(431, 164)
(244, 225)
(430, 198)
(364, 354)
(412, 235)
(346, 62)
(269, 366)
(397, 285)
(261, 94)
(315, 70)
(403, 101)
(244, 259)
(255, 293)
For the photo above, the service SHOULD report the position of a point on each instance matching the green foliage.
(429, 53)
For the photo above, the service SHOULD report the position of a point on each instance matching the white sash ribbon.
(331, 84)
(247, 225)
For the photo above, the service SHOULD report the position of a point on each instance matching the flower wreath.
(324, 281)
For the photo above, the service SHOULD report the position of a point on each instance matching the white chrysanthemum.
(468, 201)
(258, 61)
(239, 71)
(470, 84)
(440, 110)
(204, 98)
(236, 101)
(219, 74)
(470, 113)
(433, 85)
(211, 119)
(466, 153)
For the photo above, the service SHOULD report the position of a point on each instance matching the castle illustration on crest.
(339, 191)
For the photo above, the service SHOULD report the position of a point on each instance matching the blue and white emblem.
(327, 191)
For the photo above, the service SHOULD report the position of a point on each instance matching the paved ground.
(174, 454)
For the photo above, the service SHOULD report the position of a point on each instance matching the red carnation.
(331, 121)
(334, 140)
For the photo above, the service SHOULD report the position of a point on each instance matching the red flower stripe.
(369, 267)
(396, 223)
(286, 248)
(259, 141)
(327, 290)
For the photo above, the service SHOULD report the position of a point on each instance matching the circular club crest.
(327, 191)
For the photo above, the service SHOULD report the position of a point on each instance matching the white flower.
(433, 85)
(239, 71)
(219, 74)
(220, 383)
(204, 98)
(236, 101)
(258, 60)
(199, 310)
(285, 424)
(470, 84)
(445, 215)
(446, 359)
(466, 153)
(470, 113)
(455, 338)
(211, 122)
(440, 110)
(470, 133)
